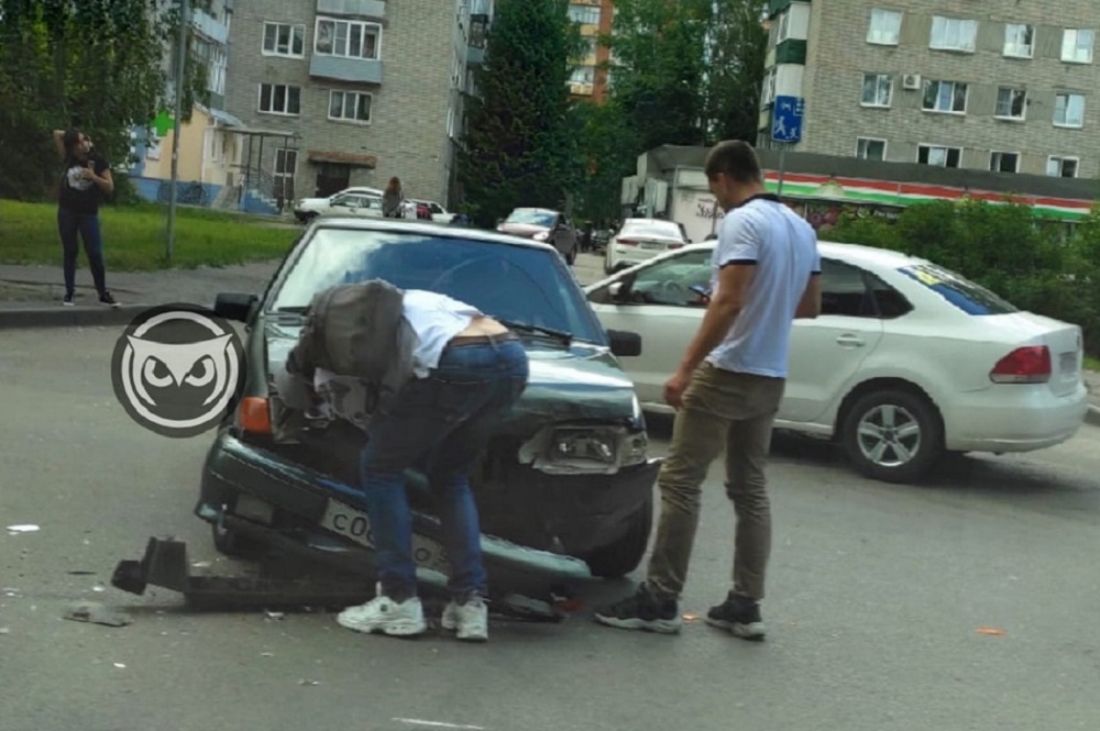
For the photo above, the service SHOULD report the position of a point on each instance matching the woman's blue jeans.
(69, 225)
(438, 425)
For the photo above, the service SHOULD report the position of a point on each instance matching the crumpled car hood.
(582, 382)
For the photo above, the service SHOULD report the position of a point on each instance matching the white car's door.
(826, 353)
(658, 303)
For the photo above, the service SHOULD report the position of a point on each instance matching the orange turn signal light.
(254, 415)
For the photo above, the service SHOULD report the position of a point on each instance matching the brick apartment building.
(595, 18)
(365, 89)
(1009, 86)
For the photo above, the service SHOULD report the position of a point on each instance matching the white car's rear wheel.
(893, 435)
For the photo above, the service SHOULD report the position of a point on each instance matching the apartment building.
(590, 75)
(1009, 86)
(352, 92)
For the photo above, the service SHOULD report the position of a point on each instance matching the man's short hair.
(735, 158)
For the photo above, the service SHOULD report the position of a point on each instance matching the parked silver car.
(543, 224)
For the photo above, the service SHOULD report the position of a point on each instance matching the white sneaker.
(471, 620)
(382, 614)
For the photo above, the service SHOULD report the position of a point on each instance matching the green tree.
(95, 64)
(737, 46)
(520, 147)
(608, 154)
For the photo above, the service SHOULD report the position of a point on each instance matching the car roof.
(360, 189)
(536, 210)
(398, 225)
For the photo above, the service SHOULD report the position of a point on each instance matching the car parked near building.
(566, 472)
(907, 361)
(544, 225)
(350, 202)
(431, 211)
(641, 239)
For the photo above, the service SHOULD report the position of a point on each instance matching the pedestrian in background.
(726, 393)
(393, 199)
(85, 183)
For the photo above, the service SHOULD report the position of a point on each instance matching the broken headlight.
(584, 449)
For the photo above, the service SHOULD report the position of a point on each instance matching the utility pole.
(181, 60)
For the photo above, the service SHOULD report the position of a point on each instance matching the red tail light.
(626, 242)
(254, 415)
(1031, 364)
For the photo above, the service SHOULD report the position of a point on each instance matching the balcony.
(340, 68)
(359, 8)
(207, 26)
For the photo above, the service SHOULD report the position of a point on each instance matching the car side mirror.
(625, 344)
(235, 306)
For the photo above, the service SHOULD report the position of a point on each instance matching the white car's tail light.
(1031, 364)
(626, 242)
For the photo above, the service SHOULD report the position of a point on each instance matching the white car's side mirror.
(614, 290)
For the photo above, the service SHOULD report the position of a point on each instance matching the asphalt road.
(877, 593)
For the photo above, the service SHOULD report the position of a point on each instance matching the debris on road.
(303, 681)
(274, 615)
(5, 631)
(96, 613)
(80, 572)
(201, 565)
(267, 654)
(26, 528)
(991, 631)
(120, 665)
(99, 588)
(691, 617)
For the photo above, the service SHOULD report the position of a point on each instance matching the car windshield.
(658, 229)
(519, 284)
(971, 298)
(532, 217)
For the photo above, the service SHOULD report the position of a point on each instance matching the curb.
(58, 316)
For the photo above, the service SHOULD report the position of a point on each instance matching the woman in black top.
(86, 181)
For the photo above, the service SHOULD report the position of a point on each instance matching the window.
(971, 298)
(885, 27)
(583, 75)
(280, 99)
(1062, 167)
(350, 106)
(877, 90)
(939, 156)
(868, 148)
(1069, 110)
(849, 291)
(350, 38)
(945, 96)
(283, 39)
(1011, 103)
(585, 14)
(286, 164)
(587, 50)
(676, 282)
(1077, 46)
(953, 34)
(769, 86)
(1019, 40)
(1004, 162)
(784, 26)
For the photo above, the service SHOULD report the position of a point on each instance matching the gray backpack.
(358, 330)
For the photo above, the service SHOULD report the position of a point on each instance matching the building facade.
(1008, 86)
(352, 92)
(590, 74)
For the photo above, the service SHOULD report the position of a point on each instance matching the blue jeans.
(438, 425)
(69, 224)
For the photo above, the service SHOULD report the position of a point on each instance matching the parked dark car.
(566, 472)
(545, 225)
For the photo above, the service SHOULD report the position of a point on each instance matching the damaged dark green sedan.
(566, 481)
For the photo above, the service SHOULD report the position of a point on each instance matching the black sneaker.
(68, 301)
(107, 299)
(643, 611)
(740, 615)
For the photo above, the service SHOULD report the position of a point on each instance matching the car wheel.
(623, 556)
(236, 545)
(893, 435)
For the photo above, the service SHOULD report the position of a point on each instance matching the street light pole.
(181, 60)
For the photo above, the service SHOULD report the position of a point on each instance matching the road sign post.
(786, 129)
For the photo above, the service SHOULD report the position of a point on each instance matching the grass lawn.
(134, 236)
(1093, 364)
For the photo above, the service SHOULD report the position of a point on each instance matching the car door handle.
(849, 340)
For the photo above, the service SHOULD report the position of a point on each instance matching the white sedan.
(350, 202)
(906, 361)
(641, 239)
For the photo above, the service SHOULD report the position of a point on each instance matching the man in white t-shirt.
(727, 392)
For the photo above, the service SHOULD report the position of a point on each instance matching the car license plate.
(355, 526)
(1069, 363)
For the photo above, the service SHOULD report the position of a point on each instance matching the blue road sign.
(787, 119)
